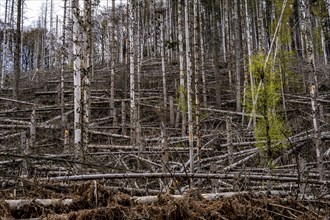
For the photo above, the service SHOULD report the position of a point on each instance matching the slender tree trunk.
(17, 57)
(324, 49)
(112, 66)
(302, 23)
(4, 50)
(63, 55)
(182, 97)
(310, 56)
(131, 71)
(165, 154)
(238, 54)
(230, 148)
(77, 80)
(44, 39)
(121, 37)
(86, 69)
(139, 50)
(261, 27)
(189, 87)
(51, 33)
(196, 69)
(215, 59)
(202, 53)
(162, 52)
(249, 51)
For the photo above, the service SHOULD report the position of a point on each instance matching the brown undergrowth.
(94, 201)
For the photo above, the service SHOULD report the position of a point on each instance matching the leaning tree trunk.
(17, 57)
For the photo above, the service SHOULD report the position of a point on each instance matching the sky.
(33, 8)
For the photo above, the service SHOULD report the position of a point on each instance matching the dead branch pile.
(92, 200)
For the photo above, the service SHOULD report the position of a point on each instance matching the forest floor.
(90, 200)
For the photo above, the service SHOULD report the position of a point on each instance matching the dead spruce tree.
(78, 144)
(17, 54)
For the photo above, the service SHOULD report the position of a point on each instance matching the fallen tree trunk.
(17, 204)
(182, 175)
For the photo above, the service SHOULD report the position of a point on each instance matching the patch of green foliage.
(270, 128)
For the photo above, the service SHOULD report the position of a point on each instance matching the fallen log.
(182, 175)
(17, 204)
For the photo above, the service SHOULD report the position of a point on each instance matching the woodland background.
(211, 97)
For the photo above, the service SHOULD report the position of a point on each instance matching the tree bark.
(182, 97)
(196, 69)
(238, 53)
(189, 88)
(78, 145)
(313, 80)
(17, 55)
(112, 66)
(4, 50)
(132, 73)
(85, 83)
(63, 55)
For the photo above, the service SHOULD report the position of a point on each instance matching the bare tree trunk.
(324, 49)
(121, 33)
(215, 60)
(17, 57)
(189, 88)
(162, 52)
(77, 80)
(123, 117)
(4, 50)
(33, 128)
(165, 155)
(44, 39)
(112, 66)
(85, 83)
(310, 56)
(261, 27)
(63, 55)
(182, 98)
(139, 48)
(238, 54)
(196, 64)
(230, 147)
(202, 52)
(25, 151)
(51, 34)
(317, 134)
(132, 75)
(249, 43)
